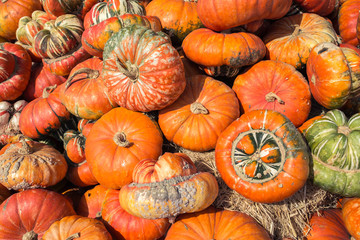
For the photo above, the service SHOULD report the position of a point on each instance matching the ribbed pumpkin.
(197, 118)
(351, 216)
(221, 15)
(334, 141)
(15, 68)
(28, 214)
(77, 227)
(124, 226)
(111, 8)
(84, 93)
(142, 70)
(327, 224)
(10, 13)
(347, 20)
(30, 164)
(168, 187)
(262, 156)
(178, 17)
(277, 86)
(43, 115)
(291, 38)
(117, 142)
(234, 50)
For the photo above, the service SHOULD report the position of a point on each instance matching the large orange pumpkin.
(201, 113)
(117, 142)
(262, 156)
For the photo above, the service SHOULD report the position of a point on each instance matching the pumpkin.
(28, 214)
(111, 8)
(9, 117)
(77, 227)
(213, 223)
(91, 202)
(327, 224)
(142, 70)
(291, 38)
(347, 21)
(168, 187)
(94, 38)
(84, 94)
(74, 146)
(15, 68)
(117, 142)
(56, 8)
(178, 17)
(197, 118)
(280, 88)
(84, 126)
(123, 225)
(352, 56)
(262, 156)
(30, 164)
(329, 75)
(322, 8)
(351, 216)
(234, 50)
(10, 13)
(302, 129)
(80, 175)
(43, 115)
(333, 140)
(40, 78)
(218, 15)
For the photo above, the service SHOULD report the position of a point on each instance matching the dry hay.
(283, 219)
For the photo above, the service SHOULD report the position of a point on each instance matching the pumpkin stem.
(129, 69)
(271, 97)
(344, 130)
(90, 73)
(75, 235)
(120, 140)
(25, 148)
(46, 92)
(30, 236)
(198, 108)
(98, 215)
(297, 30)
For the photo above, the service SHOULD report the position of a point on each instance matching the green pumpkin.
(334, 141)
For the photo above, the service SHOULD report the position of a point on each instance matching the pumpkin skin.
(326, 225)
(43, 115)
(84, 94)
(10, 13)
(208, 48)
(322, 8)
(124, 226)
(31, 212)
(80, 175)
(347, 21)
(142, 70)
(291, 39)
(352, 56)
(302, 129)
(330, 87)
(15, 69)
(217, 15)
(280, 88)
(117, 142)
(91, 202)
(56, 8)
(179, 17)
(30, 164)
(333, 141)
(168, 188)
(213, 223)
(197, 118)
(78, 227)
(351, 215)
(260, 140)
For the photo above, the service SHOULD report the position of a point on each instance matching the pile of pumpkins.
(92, 93)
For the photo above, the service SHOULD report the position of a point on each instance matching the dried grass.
(287, 218)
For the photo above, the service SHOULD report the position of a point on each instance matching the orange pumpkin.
(195, 121)
(219, 224)
(347, 20)
(91, 202)
(262, 156)
(117, 142)
(351, 216)
(277, 86)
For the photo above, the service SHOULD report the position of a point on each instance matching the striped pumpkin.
(334, 141)
(58, 37)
